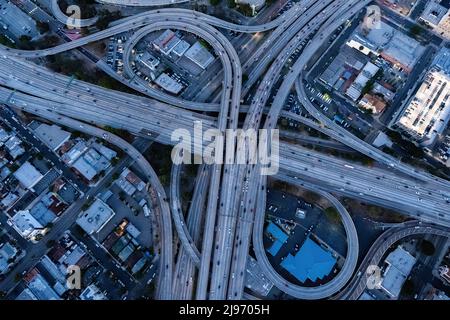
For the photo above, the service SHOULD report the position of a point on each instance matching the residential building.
(14, 146)
(92, 292)
(148, 60)
(373, 103)
(166, 42)
(28, 175)
(181, 48)
(27, 226)
(437, 16)
(8, 254)
(391, 44)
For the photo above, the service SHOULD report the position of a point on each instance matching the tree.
(416, 30)
(408, 289)
(25, 42)
(6, 42)
(427, 248)
(43, 27)
(333, 215)
(46, 42)
(245, 77)
(50, 243)
(245, 9)
(214, 2)
(105, 17)
(17, 277)
(232, 3)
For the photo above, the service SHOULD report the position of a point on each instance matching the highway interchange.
(233, 217)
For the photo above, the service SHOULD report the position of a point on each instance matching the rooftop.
(199, 55)
(400, 263)
(280, 238)
(428, 112)
(95, 217)
(169, 84)
(52, 135)
(311, 262)
(25, 223)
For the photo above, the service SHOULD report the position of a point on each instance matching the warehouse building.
(199, 55)
(166, 42)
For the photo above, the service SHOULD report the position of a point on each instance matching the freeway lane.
(185, 268)
(177, 215)
(96, 105)
(256, 180)
(365, 175)
(229, 213)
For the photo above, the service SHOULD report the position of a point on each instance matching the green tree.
(416, 30)
(408, 289)
(50, 243)
(245, 9)
(6, 42)
(17, 277)
(25, 42)
(333, 215)
(427, 248)
(43, 27)
(105, 18)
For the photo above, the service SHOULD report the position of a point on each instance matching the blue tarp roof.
(280, 237)
(311, 262)
(276, 246)
(276, 232)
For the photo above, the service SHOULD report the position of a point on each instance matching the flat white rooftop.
(95, 217)
(28, 175)
(428, 112)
